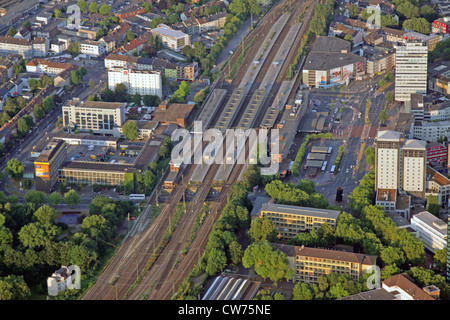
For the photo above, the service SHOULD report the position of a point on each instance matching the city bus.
(137, 196)
(324, 166)
(333, 167)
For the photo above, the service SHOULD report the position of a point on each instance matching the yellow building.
(290, 220)
(47, 164)
(309, 264)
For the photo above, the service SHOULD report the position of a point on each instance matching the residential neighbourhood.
(223, 150)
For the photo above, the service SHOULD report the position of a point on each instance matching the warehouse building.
(330, 63)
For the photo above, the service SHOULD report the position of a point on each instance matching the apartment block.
(144, 82)
(170, 38)
(28, 49)
(93, 48)
(290, 220)
(414, 167)
(387, 160)
(309, 264)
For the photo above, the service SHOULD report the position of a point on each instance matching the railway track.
(124, 277)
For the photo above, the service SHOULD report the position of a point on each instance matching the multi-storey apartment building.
(437, 153)
(410, 70)
(431, 230)
(290, 220)
(387, 160)
(29, 49)
(170, 38)
(144, 82)
(100, 117)
(310, 264)
(48, 67)
(438, 185)
(414, 167)
(441, 25)
(93, 48)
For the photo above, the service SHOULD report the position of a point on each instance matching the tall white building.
(431, 230)
(387, 160)
(410, 70)
(414, 164)
(144, 82)
(400, 165)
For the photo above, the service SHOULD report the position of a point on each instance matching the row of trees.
(303, 194)
(301, 151)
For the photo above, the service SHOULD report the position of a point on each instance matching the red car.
(133, 218)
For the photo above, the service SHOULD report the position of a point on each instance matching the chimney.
(433, 291)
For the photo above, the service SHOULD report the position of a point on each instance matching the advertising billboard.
(335, 75)
(42, 170)
(359, 66)
(321, 77)
(347, 72)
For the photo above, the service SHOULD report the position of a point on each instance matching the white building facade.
(144, 82)
(431, 230)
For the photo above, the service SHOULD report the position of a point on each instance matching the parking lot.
(99, 153)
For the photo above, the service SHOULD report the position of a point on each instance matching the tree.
(22, 127)
(383, 116)
(217, 260)
(57, 13)
(389, 97)
(238, 7)
(71, 198)
(48, 104)
(37, 234)
(151, 100)
(130, 35)
(440, 258)
(93, 7)
(13, 287)
(262, 229)
(45, 214)
(254, 7)
(302, 291)
(82, 5)
(54, 198)
(15, 168)
(392, 255)
(35, 196)
(74, 48)
(11, 32)
(267, 262)
(353, 11)
(382, 83)
(236, 253)
(130, 130)
(137, 99)
(407, 10)
(433, 205)
(75, 78)
(420, 25)
(199, 97)
(428, 13)
(105, 9)
(370, 156)
(91, 84)
(388, 21)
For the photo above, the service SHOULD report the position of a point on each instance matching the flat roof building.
(97, 116)
(290, 220)
(47, 164)
(431, 230)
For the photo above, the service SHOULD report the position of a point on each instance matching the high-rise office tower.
(410, 70)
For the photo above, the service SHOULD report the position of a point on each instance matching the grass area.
(236, 66)
(197, 224)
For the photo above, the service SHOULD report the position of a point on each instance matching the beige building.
(170, 38)
(100, 117)
(387, 160)
(309, 264)
(414, 153)
(290, 220)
